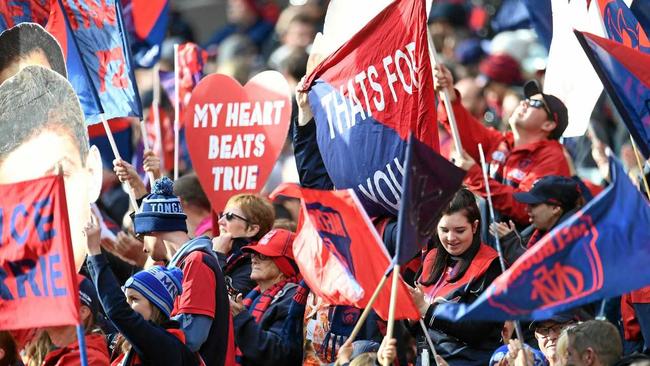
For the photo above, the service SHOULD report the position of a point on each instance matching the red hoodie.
(514, 169)
(96, 350)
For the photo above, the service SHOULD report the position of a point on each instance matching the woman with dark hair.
(458, 269)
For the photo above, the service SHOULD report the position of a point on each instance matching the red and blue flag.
(38, 281)
(626, 78)
(368, 96)
(341, 256)
(622, 26)
(146, 21)
(430, 182)
(93, 39)
(586, 258)
(13, 12)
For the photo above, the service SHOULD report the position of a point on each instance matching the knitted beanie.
(160, 285)
(160, 211)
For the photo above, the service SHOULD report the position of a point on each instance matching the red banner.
(38, 285)
(341, 256)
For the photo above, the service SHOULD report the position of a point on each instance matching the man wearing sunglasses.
(517, 158)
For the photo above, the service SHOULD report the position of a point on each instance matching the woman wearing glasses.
(259, 319)
(245, 219)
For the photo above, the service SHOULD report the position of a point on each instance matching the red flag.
(341, 256)
(38, 283)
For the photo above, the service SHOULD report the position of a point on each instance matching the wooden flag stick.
(391, 308)
(444, 94)
(116, 152)
(176, 110)
(640, 165)
(366, 311)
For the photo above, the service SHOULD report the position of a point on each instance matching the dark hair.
(38, 99)
(295, 64)
(465, 203)
(24, 39)
(189, 189)
(8, 344)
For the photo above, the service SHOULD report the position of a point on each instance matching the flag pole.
(444, 94)
(116, 152)
(391, 308)
(502, 262)
(640, 165)
(145, 142)
(366, 311)
(155, 105)
(81, 338)
(176, 110)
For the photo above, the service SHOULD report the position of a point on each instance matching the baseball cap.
(277, 244)
(556, 107)
(552, 189)
(88, 294)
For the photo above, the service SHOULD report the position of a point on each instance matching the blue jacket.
(266, 343)
(153, 344)
(236, 267)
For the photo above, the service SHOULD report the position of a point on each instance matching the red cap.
(277, 244)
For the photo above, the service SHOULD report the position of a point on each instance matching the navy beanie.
(160, 211)
(160, 285)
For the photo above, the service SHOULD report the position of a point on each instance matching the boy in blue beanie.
(202, 309)
(141, 312)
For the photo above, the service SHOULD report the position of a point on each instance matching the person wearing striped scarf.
(260, 319)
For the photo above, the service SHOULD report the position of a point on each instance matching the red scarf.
(265, 299)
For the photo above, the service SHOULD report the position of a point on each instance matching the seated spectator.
(593, 343)
(259, 319)
(547, 333)
(550, 201)
(458, 269)
(245, 219)
(244, 16)
(66, 346)
(202, 308)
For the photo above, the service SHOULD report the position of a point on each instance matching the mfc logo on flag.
(552, 282)
(331, 228)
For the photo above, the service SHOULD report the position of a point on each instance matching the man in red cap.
(516, 158)
(259, 319)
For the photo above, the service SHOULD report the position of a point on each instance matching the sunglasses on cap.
(539, 104)
(231, 216)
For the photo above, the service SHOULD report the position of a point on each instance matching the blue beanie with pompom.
(160, 211)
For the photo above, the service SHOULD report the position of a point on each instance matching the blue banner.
(96, 30)
(601, 251)
(624, 74)
(13, 12)
(430, 182)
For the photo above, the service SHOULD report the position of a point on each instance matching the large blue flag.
(626, 78)
(429, 183)
(96, 30)
(146, 21)
(622, 26)
(601, 251)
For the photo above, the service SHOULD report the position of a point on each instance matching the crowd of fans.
(181, 286)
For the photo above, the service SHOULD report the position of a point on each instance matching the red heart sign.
(235, 134)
